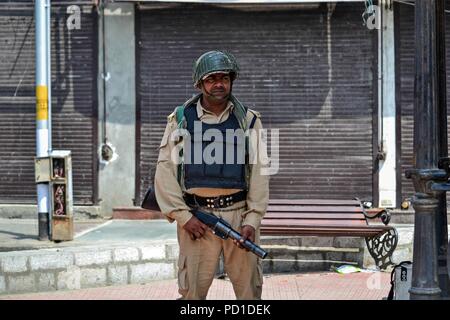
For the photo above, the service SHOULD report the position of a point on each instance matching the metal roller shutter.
(405, 46)
(74, 92)
(311, 80)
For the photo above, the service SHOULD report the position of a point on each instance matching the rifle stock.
(149, 201)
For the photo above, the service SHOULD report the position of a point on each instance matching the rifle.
(220, 227)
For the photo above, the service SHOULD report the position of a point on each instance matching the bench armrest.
(381, 213)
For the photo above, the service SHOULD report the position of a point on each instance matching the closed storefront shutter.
(74, 106)
(310, 77)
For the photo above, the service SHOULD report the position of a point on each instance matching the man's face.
(216, 87)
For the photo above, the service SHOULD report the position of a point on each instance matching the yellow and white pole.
(49, 74)
(42, 112)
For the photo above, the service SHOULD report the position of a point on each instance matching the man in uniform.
(236, 192)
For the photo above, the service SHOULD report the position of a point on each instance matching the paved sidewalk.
(22, 234)
(309, 286)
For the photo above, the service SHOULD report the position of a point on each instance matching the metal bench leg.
(381, 248)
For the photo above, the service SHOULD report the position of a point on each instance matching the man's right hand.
(195, 228)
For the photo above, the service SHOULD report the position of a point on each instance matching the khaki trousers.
(198, 261)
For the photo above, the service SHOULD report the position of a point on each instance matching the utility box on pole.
(57, 171)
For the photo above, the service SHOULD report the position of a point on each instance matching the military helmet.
(214, 62)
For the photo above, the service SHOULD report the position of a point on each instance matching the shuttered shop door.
(310, 79)
(406, 53)
(73, 99)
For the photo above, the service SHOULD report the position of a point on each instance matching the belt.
(193, 200)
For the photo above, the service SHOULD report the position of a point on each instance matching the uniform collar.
(201, 112)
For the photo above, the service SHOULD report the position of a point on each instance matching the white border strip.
(92, 229)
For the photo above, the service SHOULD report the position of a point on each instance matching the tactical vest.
(238, 175)
(217, 159)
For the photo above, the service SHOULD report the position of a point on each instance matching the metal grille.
(74, 107)
(312, 81)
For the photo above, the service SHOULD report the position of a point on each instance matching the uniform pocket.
(164, 152)
(165, 137)
(182, 273)
(259, 273)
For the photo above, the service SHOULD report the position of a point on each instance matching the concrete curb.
(72, 268)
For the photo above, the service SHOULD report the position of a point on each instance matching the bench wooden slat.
(377, 228)
(318, 223)
(315, 216)
(328, 218)
(296, 208)
(315, 202)
(313, 229)
(327, 227)
(331, 232)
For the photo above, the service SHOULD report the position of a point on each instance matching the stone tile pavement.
(299, 286)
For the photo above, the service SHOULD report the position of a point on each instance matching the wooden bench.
(333, 218)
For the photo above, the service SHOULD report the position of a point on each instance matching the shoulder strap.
(252, 124)
(179, 115)
(181, 123)
(179, 111)
(240, 111)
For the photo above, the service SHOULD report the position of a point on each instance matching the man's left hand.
(247, 232)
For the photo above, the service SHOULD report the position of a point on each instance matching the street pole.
(42, 112)
(49, 72)
(430, 182)
(441, 221)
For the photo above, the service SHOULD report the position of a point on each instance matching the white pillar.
(117, 175)
(387, 167)
(42, 111)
